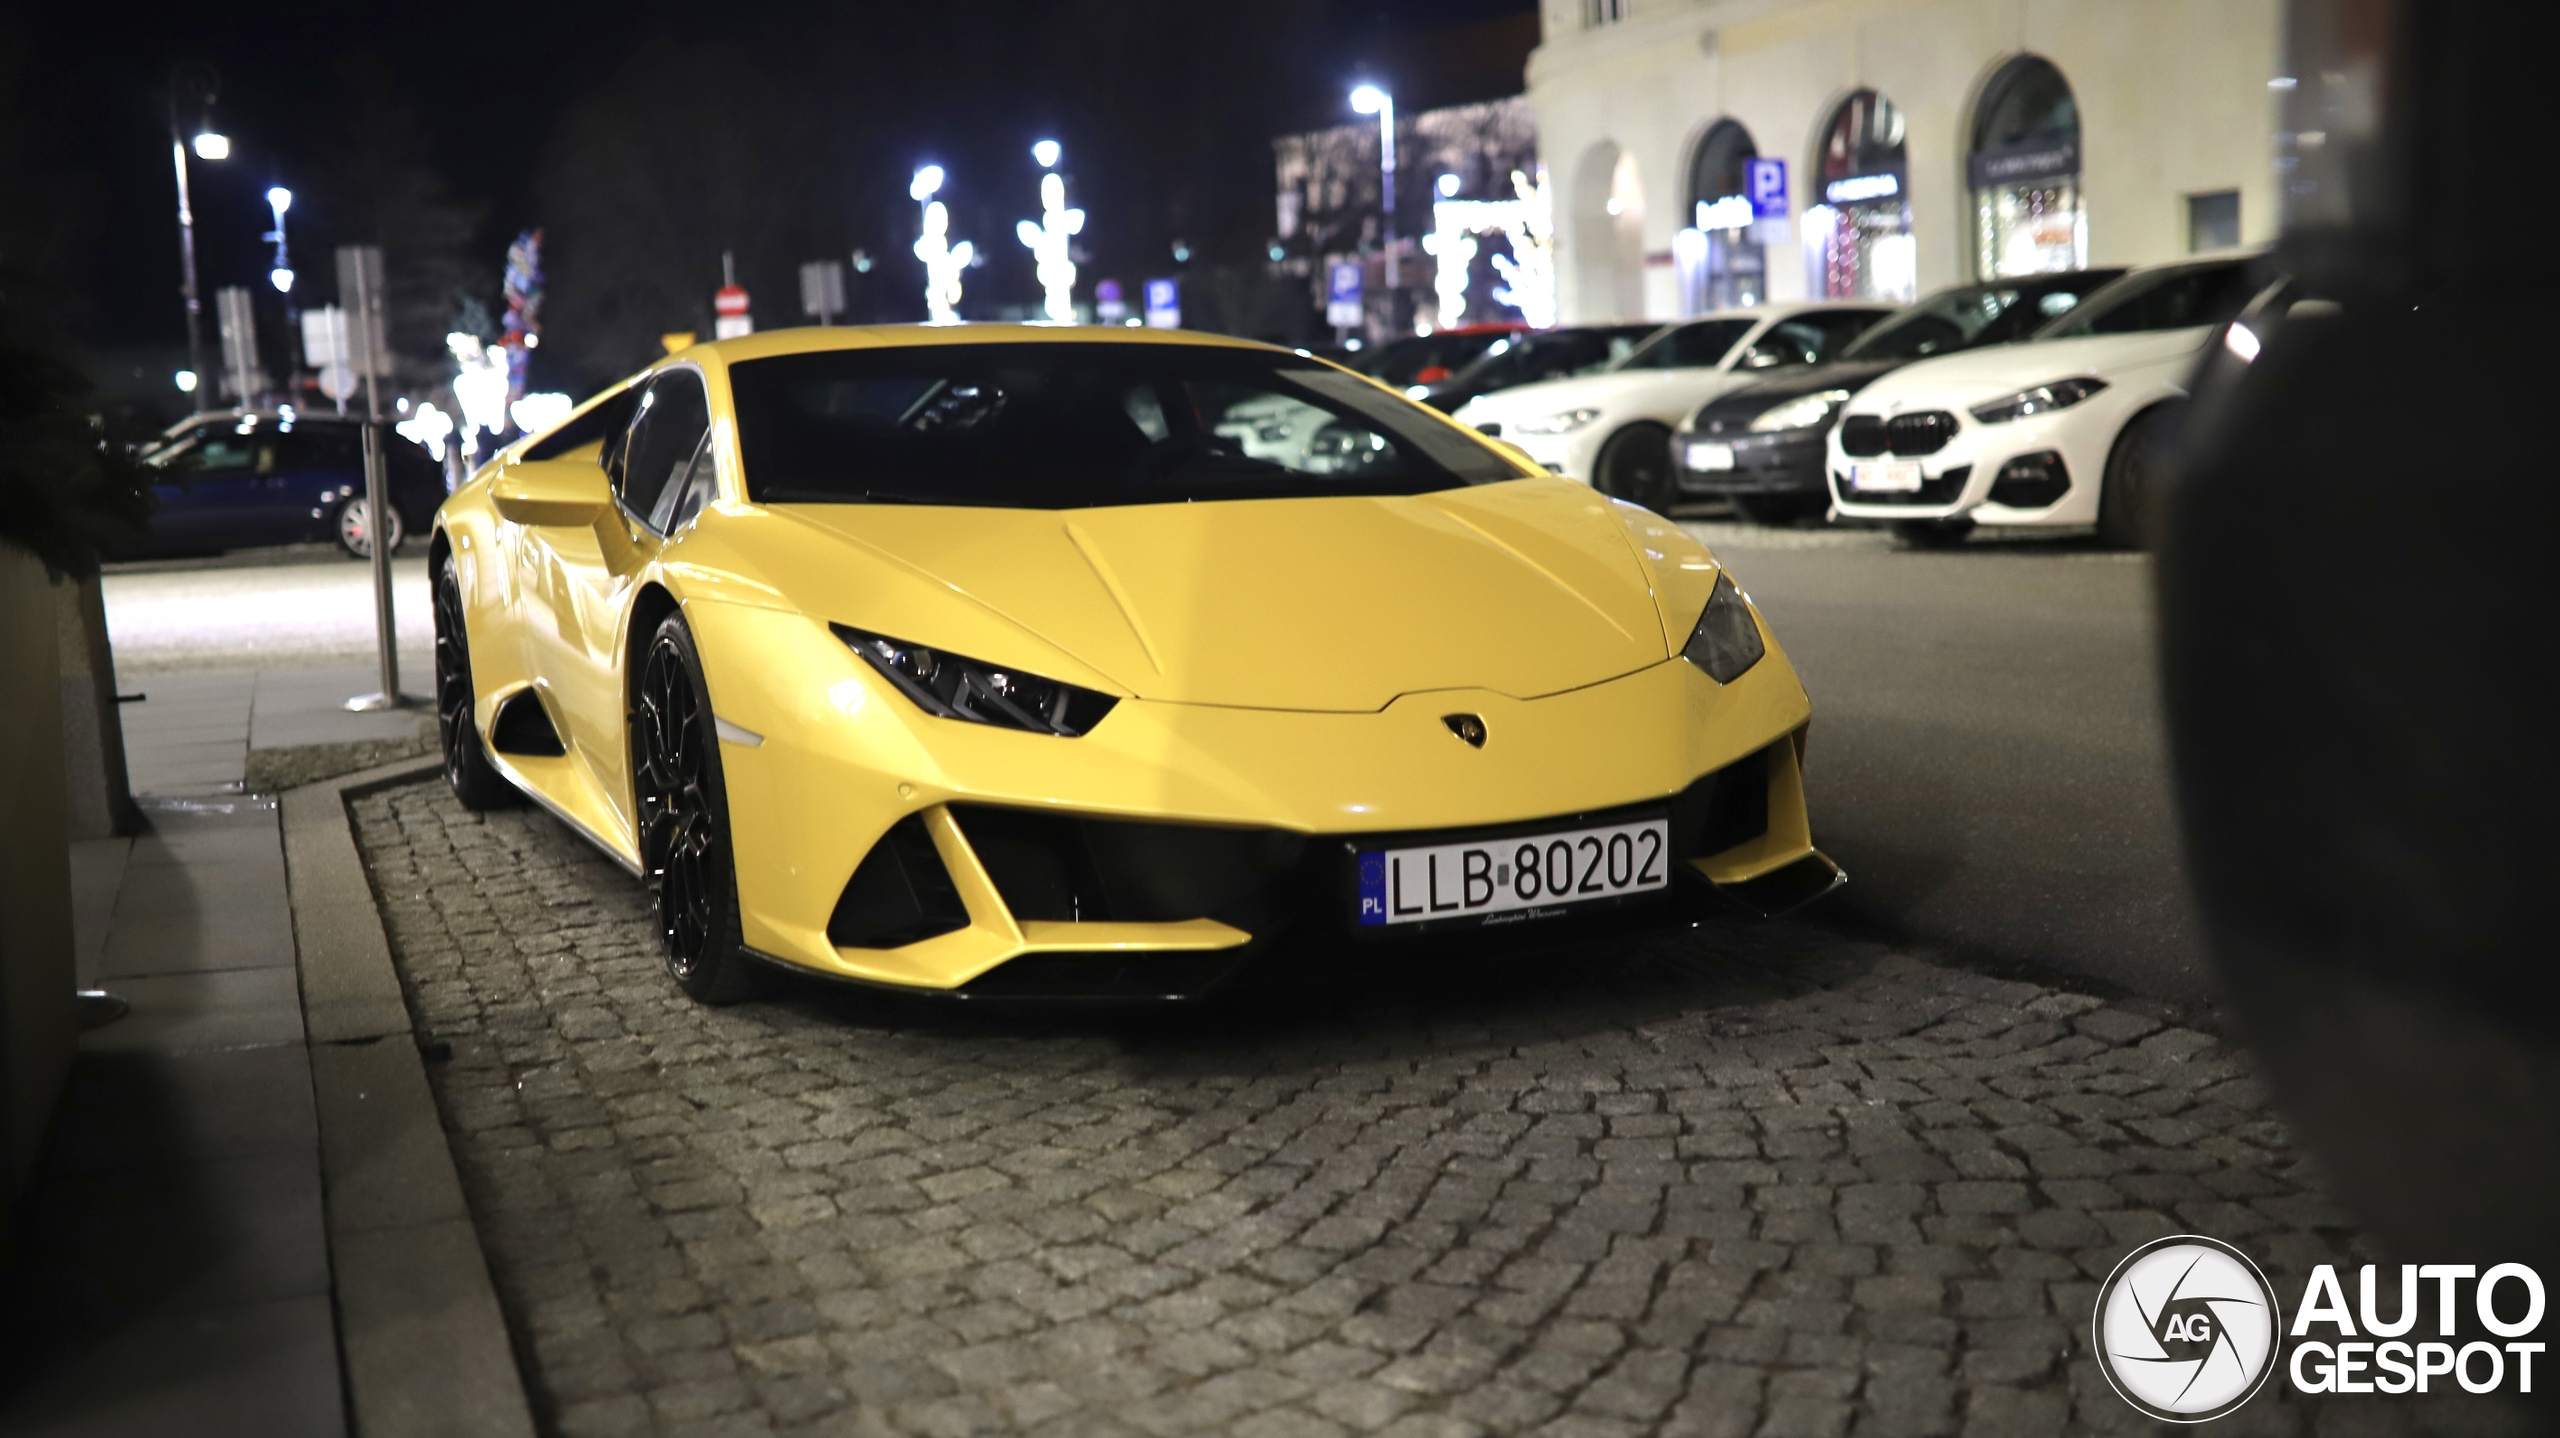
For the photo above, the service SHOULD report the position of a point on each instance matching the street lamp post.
(1375, 100)
(280, 199)
(196, 81)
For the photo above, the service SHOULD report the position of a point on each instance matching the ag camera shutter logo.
(2186, 1328)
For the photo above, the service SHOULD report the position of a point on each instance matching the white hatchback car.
(2065, 428)
(1612, 430)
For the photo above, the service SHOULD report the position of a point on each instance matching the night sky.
(1167, 110)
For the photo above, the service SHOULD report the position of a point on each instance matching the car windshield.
(1702, 345)
(1970, 316)
(1553, 355)
(2178, 298)
(1069, 425)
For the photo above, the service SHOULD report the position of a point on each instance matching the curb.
(424, 1344)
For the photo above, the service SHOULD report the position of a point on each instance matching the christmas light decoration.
(1526, 222)
(480, 388)
(943, 260)
(1529, 271)
(1048, 243)
(430, 427)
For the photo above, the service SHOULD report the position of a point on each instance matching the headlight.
(2061, 394)
(1811, 411)
(955, 687)
(1565, 423)
(1727, 639)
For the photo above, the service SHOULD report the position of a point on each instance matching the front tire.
(1635, 465)
(351, 526)
(683, 813)
(2137, 470)
(475, 781)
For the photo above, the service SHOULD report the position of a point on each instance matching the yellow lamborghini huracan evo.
(1034, 661)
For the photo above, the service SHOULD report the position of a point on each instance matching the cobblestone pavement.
(1756, 1181)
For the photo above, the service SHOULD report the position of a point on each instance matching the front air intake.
(901, 894)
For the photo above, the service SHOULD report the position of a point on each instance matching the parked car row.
(2040, 400)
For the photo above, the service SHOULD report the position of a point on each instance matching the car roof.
(809, 339)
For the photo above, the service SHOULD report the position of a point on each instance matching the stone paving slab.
(1748, 1180)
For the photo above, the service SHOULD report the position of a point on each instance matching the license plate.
(1506, 880)
(1892, 476)
(1710, 456)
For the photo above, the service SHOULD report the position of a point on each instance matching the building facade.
(1924, 142)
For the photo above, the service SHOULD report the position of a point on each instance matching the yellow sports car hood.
(1526, 588)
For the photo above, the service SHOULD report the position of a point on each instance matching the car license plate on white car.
(1704, 456)
(1894, 476)
(1506, 880)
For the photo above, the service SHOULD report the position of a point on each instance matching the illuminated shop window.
(2025, 174)
(1857, 239)
(1725, 267)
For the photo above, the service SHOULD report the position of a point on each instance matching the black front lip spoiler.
(1190, 978)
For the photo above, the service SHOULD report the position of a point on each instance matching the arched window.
(1732, 269)
(1858, 239)
(2025, 173)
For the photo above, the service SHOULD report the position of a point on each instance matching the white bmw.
(2066, 428)
(1612, 430)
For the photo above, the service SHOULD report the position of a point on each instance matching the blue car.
(240, 479)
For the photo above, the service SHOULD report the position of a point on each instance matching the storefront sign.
(1733, 212)
(1862, 187)
(2024, 164)
(1766, 181)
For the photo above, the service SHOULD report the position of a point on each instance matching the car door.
(315, 467)
(208, 493)
(587, 576)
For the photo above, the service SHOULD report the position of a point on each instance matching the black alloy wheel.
(1635, 465)
(2137, 470)
(683, 816)
(1932, 533)
(475, 781)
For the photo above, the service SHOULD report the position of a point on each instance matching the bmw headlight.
(2061, 394)
(956, 687)
(1809, 411)
(1727, 640)
(1565, 423)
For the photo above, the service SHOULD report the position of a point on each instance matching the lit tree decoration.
(943, 260)
(1047, 241)
(480, 389)
(1529, 271)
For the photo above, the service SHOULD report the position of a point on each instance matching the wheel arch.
(649, 609)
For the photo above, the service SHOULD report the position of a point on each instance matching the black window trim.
(710, 425)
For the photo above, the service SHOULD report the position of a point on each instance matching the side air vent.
(524, 727)
(901, 894)
(1726, 808)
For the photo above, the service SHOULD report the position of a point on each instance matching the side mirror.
(551, 491)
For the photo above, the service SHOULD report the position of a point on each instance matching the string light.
(1048, 241)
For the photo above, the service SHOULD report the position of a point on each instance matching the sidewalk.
(179, 1272)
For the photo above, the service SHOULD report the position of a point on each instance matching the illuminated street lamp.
(1048, 238)
(279, 199)
(197, 83)
(943, 260)
(1374, 100)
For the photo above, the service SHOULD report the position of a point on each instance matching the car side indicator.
(1467, 727)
